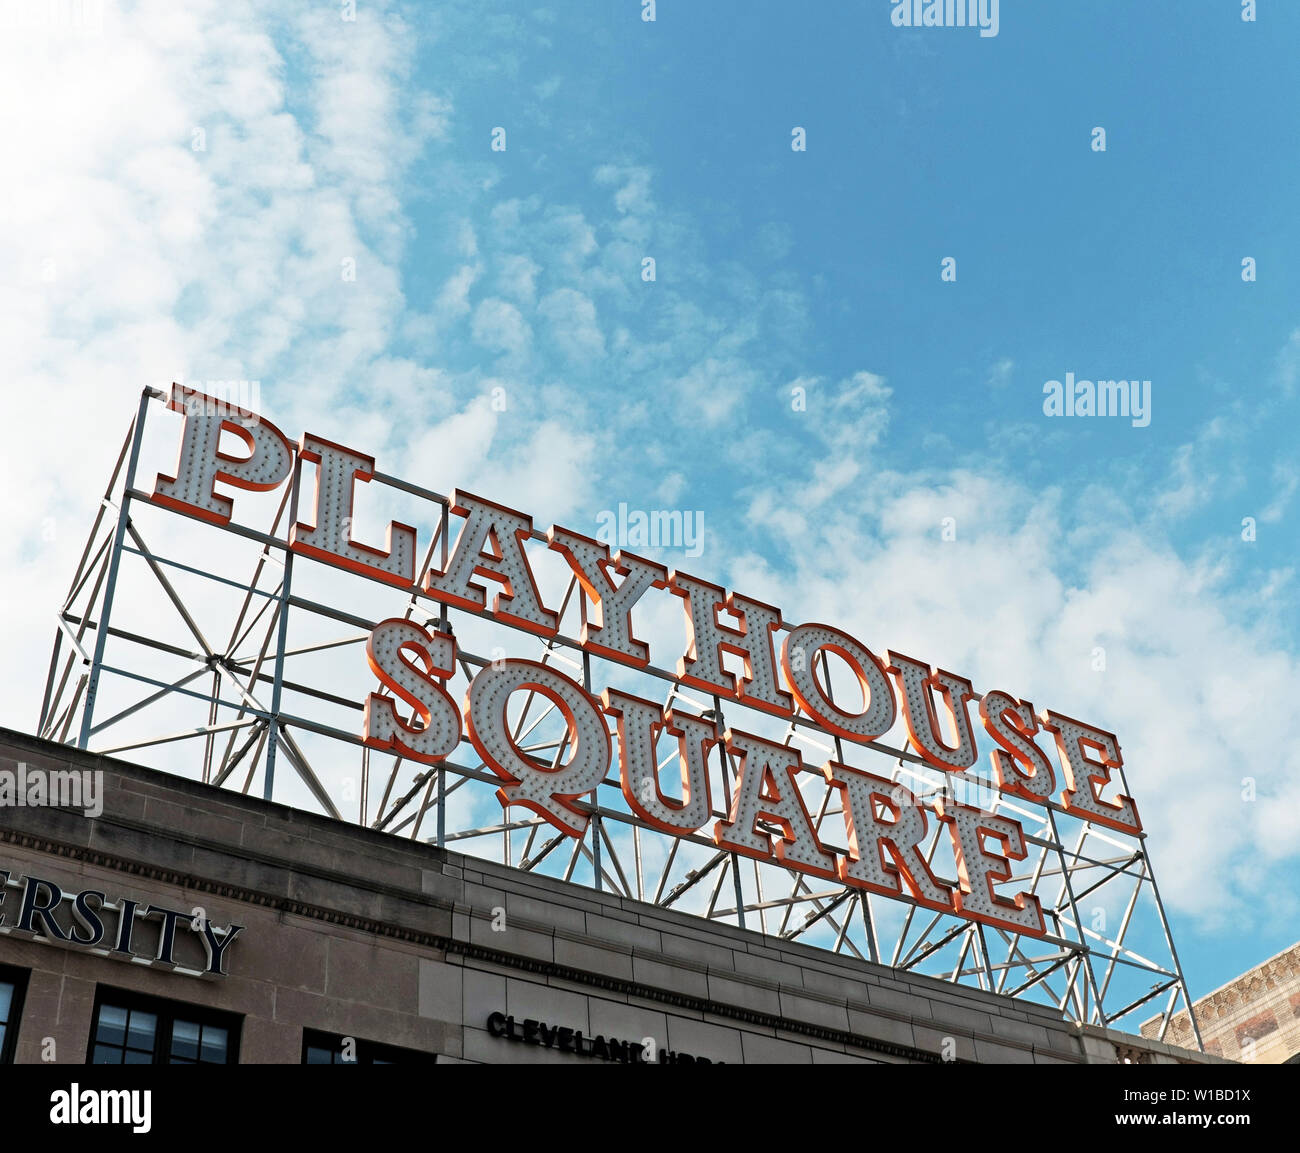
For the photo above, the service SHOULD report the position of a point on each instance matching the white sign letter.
(492, 526)
(611, 635)
(330, 540)
(918, 684)
(798, 662)
(886, 827)
(438, 732)
(978, 870)
(702, 664)
(1012, 724)
(1086, 777)
(767, 788)
(548, 791)
(201, 463)
(640, 723)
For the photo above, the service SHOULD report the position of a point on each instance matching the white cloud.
(1000, 372)
(548, 475)
(633, 187)
(1186, 685)
(1287, 365)
(518, 278)
(713, 389)
(170, 215)
(452, 302)
(500, 327)
(1286, 479)
(1200, 471)
(671, 488)
(857, 412)
(573, 324)
(130, 257)
(451, 452)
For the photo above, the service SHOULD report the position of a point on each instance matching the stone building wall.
(367, 935)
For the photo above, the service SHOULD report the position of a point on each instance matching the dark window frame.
(368, 1052)
(167, 1010)
(16, 977)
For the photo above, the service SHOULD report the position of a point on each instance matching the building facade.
(160, 919)
(1254, 1018)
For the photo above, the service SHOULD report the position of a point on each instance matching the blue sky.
(327, 140)
(934, 143)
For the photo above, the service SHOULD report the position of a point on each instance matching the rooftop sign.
(1038, 756)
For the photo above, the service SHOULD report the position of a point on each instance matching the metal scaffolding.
(249, 683)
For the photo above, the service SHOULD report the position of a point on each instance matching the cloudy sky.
(287, 195)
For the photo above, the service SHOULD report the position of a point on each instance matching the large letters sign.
(758, 811)
(90, 920)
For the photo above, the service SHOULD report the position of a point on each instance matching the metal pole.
(1173, 952)
(869, 926)
(114, 560)
(282, 634)
(49, 680)
(726, 792)
(444, 623)
(595, 817)
(1086, 959)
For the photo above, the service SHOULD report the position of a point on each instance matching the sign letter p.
(201, 463)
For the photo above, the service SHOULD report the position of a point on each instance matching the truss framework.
(230, 694)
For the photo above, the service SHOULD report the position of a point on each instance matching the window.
(330, 1049)
(13, 984)
(133, 1030)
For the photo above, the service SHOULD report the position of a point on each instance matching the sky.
(307, 196)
